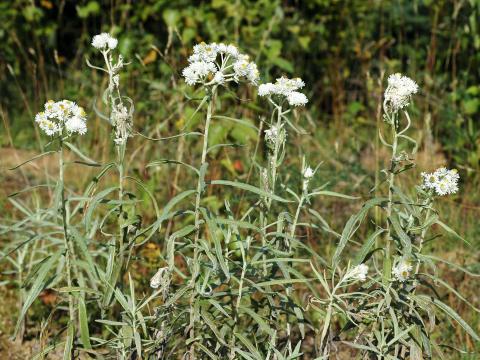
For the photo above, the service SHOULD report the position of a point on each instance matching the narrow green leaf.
(365, 249)
(67, 353)
(452, 232)
(334, 194)
(84, 157)
(83, 320)
(38, 285)
(32, 159)
(450, 312)
(250, 188)
(258, 319)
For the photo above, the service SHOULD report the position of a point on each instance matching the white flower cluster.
(61, 115)
(359, 272)
(233, 66)
(287, 88)
(402, 270)
(399, 91)
(104, 41)
(442, 181)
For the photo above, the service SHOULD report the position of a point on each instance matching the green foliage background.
(340, 48)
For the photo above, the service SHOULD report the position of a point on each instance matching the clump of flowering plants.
(392, 312)
(51, 232)
(234, 278)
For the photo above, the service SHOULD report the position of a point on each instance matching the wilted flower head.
(358, 272)
(271, 135)
(286, 88)
(308, 172)
(60, 115)
(399, 91)
(121, 118)
(104, 41)
(218, 64)
(442, 181)
(161, 280)
(402, 270)
(307, 176)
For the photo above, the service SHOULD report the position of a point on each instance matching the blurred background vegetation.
(343, 49)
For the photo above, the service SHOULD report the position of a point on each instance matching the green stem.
(289, 286)
(274, 158)
(68, 251)
(196, 265)
(391, 183)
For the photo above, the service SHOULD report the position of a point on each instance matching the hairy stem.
(68, 250)
(391, 182)
(195, 263)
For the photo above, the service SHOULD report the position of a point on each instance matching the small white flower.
(100, 41)
(112, 43)
(402, 270)
(399, 91)
(41, 116)
(285, 85)
(266, 89)
(232, 51)
(104, 40)
(204, 52)
(219, 78)
(442, 181)
(49, 127)
(198, 71)
(359, 272)
(76, 124)
(429, 180)
(308, 172)
(296, 98)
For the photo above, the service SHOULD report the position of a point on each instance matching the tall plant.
(388, 309)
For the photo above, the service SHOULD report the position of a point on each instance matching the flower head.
(218, 64)
(402, 270)
(198, 71)
(287, 88)
(399, 91)
(60, 115)
(308, 172)
(358, 272)
(296, 98)
(104, 41)
(76, 124)
(442, 181)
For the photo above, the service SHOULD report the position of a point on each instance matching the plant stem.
(289, 286)
(274, 159)
(196, 265)
(65, 234)
(391, 183)
(237, 305)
